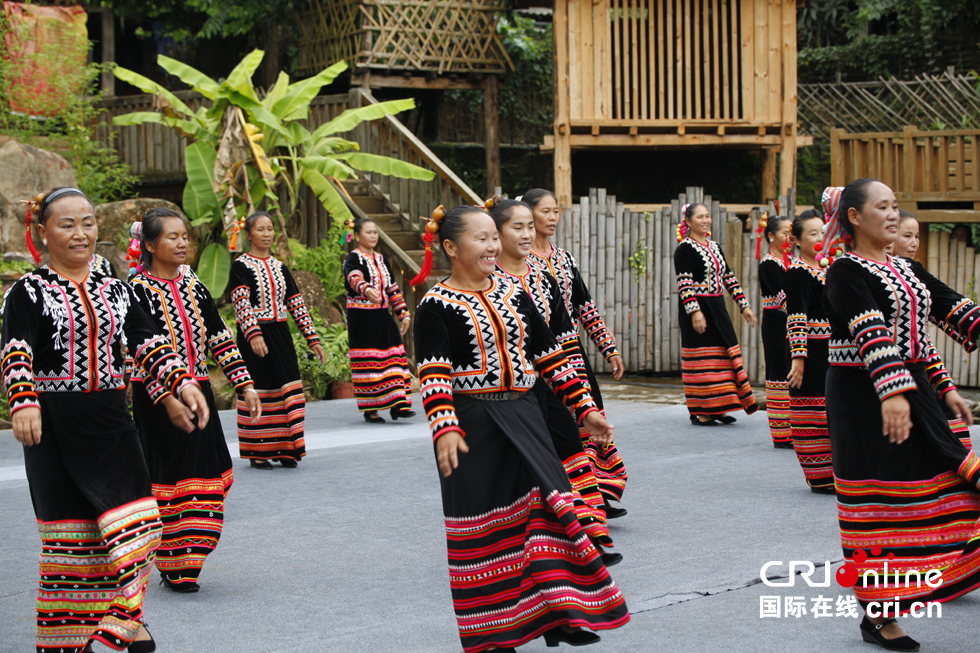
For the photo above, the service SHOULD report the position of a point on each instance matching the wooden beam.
(769, 190)
(787, 166)
(746, 141)
(108, 51)
(491, 118)
(397, 81)
(946, 215)
(563, 130)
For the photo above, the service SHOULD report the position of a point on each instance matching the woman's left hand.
(193, 398)
(958, 405)
(318, 352)
(403, 326)
(251, 399)
(600, 431)
(619, 367)
(750, 317)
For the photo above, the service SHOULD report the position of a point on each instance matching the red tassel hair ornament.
(33, 206)
(431, 233)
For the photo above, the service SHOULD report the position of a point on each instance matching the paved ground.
(347, 552)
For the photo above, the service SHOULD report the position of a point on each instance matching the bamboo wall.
(641, 307)
(712, 60)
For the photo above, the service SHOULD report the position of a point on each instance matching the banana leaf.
(277, 92)
(295, 105)
(200, 200)
(328, 195)
(240, 79)
(351, 118)
(386, 166)
(189, 75)
(213, 268)
(151, 87)
(328, 166)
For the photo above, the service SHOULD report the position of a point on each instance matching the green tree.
(229, 172)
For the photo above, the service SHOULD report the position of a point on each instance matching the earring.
(44, 241)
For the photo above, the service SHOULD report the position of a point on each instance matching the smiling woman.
(481, 344)
(63, 370)
(190, 467)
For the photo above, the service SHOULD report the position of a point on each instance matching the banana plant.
(249, 149)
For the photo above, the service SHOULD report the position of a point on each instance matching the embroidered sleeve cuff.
(970, 469)
(691, 306)
(23, 400)
(448, 429)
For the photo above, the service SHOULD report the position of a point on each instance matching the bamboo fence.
(639, 300)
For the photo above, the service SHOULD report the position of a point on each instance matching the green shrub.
(326, 262)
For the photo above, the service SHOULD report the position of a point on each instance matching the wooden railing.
(409, 197)
(919, 165)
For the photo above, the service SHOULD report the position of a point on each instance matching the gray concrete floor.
(347, 552)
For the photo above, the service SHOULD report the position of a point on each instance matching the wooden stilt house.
(431, 44)
(676, 74)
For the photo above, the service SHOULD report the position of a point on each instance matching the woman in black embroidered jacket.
(905, 483)
(772, 273)
(378, 365)
(809, 333)
(715, 381)
(606, 460)
(515, 227)
(264, 295)
(63, 368)
(191, 472)
(480, 340)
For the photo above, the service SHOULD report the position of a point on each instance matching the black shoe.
(288, 462)
(610, 559)
(558, 634)
(612, 512)
(144, 646)
(401, 412)
(697, 422)
(725, 419)
(824, 489)
(782, 445)
(871, 633)
(180, 588)
(260, 464)
(377, 419)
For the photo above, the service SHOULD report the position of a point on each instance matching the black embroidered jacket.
(495, 340)
(363, 271)
(807, 319)
(62, 336)
(878, 314)
(702, 270)
(263, 290)
(185, 312)
(772, 283)
(543, 290)
(578, 301)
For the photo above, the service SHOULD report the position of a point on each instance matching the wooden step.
(370, 204)
(356, 186)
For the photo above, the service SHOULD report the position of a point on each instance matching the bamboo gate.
(626, 260)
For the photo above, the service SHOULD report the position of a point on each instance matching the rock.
(115, 219)
(25, 171)
(312, 290)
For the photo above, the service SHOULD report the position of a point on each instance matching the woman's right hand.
(896, 419)
(258, 346)
(180, 415)
(27, 425)
(448, 448)
(795, 377)
(699, 322)
(373, 295)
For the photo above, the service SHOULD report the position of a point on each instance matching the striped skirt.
(378, 365)
(808, 417)
(907, 508)
(520, 563)
(607, 463)
(98, 524)
(191, 475)
(776, 349)
(279, 433)
(715, 381)
(567, 442)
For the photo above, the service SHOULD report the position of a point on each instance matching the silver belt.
(506, 395)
